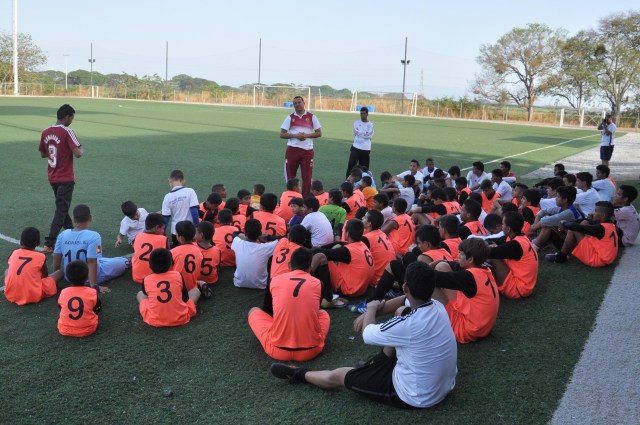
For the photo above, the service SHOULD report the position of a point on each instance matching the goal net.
(385, 102)
(279, 96)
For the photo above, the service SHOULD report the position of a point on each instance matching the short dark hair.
(356, 172)
(77, 272)
(486, 184)
(153, 220)
(299, 97)
(420, 280)
(160, 260)
(415, 161)
(561, 173)
(585, 177)
(607, 208)
(347, 188)
(368, 180)
(454, 169)
(364, 109)
(497, 172)
(186, 229)
(410, 179)
(507, 207)
(506, 164)
(301, 259)
(253, 229)
(129, 208)
(81, 213)
(225, 216)
(269, 201)
(559, 166)
(428, 233)
(233, 204)
(476, 248)
(568, 193)
(520, 186)
(361, 212)
(629, 192)
(491, 221)
(312, 203)
(449, 223)
(292, 183)
(604, 169)
(514, 220)
(355, 228)
(382, 198)
(450, 193)
(385, 176)
(317, 186)
(207, 229)
(296, 201)
(479, 165)
(217, 187)
(532, 196)
(214, 198)
(243, 193)
(439, 194)
(30, 237)
(298, 234)
(258, 188)
(64, 111)
(438, 173)
(461, 182)
(571, 178)
(336, 196)
(375, 218)
(400, 205)
(555, 183)
(176, 175)
(473, 208)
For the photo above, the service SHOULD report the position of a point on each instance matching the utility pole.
(66, 68)
(166, 64)
(259, 59)
(16, 87)
(404, 62)
(92, 61)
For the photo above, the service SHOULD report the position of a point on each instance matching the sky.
(345, 44)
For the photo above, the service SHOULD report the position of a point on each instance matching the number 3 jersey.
(79, 306)
(167, 302)
(78, 245)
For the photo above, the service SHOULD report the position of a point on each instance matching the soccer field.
(213, 369)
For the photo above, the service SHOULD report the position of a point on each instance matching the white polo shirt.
(130, 228)
(320, 227)
(251, 263)
(177, 203)
(305, 123)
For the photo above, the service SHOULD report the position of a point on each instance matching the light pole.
(66, 73)
(91, 61)
(404, 63)
(259, 59)
(16, 85)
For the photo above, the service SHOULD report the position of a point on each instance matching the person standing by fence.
(608, 129)
(361, 148)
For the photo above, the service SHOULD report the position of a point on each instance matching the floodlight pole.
(259, 59)
(166, 64)
(404, 63)
(92, 61)
(16, 87)
(66, 73)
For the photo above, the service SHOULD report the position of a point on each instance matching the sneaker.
(290, 373)
(360, 308)
(47, 249)
(556, 257)
(204, 290)
(392, 294)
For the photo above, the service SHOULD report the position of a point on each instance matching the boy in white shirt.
(361, 148)
(626, 215)
(251, 257)
(587, 196)
(180, 204)
(133, 222)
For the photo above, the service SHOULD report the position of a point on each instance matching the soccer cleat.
(290, 373)
(556, 257)
(47, 249)
(392, 294)
(360, 308)
(204, 290)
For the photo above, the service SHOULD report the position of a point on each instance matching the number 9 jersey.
(79, 306)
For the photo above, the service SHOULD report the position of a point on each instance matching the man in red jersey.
(300, 128)
(59, 145)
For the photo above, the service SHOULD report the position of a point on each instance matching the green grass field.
(213, 370)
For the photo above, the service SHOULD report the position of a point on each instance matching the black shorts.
(375, 381)
(606, 152)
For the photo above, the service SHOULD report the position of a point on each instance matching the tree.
(576, 79)
(517, 67)
(30, 56)
(617, 51)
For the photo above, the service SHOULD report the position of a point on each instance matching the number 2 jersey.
(143, 245)
(79, 306)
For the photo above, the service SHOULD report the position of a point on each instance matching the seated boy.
(180, 204)
(463, 190)
(164, 299)
(501, 187)
(352, 200)
(209, 209)
(258, 190)
(529, 208)
(548, 199)
(587, 196)
(400, 229)
(211, 254)
(626, 215)
(133, 222)
(515, 263)
(368, 191)
(379, 244)
(80, 243)
(318, 225)
(548, 220)
(493, 226)
(594, 243)
(293, 191)
(489, 195)
(381, 203)
(405, 191)
(469, 292)
(27, 280)
(334, 211)
(271, 224)
(252, 257)
(187, 258)
(448, 226)
(290, 326)
(347, 269)
(428, 213)
(317, 190)
(296, 208)
(223, 237)
(469, 214)
(244, 199)
(79, 304)
(603, 184)
(298, 237)
(416, 368)
(238, 218)
(153, 237)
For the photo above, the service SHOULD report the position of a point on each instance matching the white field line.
(533, 150)
(15, 241)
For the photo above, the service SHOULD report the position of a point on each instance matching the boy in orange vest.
(79, 304)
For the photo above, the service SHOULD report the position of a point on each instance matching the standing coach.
(300, 128)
